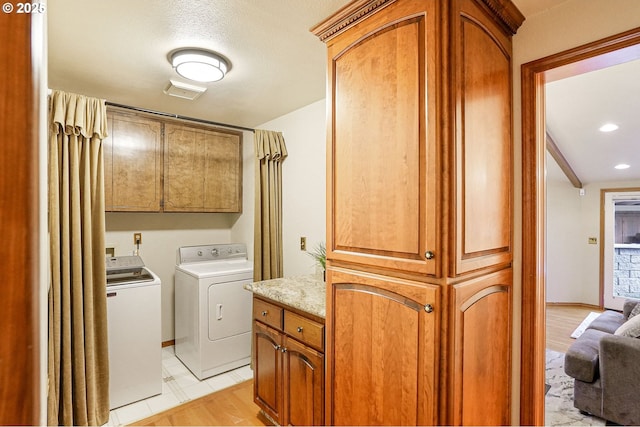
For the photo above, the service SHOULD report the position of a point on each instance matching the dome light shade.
(199, 65)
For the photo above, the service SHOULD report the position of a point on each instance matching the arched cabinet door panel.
(483, 142)
(382, 181)
(383, 335)
(303, 384)
(267, 367)
(481, 372)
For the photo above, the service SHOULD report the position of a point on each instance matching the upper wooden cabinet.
(132, 163)
(481, 126)
(383, 198)
(420, 171)
(154, 164)
(202, 170)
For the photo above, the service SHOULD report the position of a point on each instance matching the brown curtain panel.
(78, 391)
(271, 152)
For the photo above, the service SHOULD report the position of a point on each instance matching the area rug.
(586, 322)
(559, 409)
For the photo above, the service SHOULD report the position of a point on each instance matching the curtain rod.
(176, 116)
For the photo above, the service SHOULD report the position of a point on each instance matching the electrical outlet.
(303, 243)
(137, 238)
(593, 240)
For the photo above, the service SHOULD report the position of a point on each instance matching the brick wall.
(626, 272)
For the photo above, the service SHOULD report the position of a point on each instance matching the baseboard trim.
(168, 343)
(575, 304)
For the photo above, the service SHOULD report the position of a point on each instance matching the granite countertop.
(306, 293)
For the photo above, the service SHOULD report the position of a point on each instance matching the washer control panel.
(126, 261)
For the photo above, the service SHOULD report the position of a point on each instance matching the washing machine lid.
(127, 269)
(203, 270)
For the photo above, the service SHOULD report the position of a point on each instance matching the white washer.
(212, 309)
(134, 331)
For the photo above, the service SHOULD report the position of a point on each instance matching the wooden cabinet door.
(202, 170)
(481, 338)
(383, 166)
(382, 350)
(483, 139)
(132, 163)
(267, 370)
(303, 385)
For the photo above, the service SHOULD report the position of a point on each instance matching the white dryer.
(212, 309)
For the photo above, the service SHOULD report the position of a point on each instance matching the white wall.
(565, 243)
(303, 184)
(568, 25)
(162, 234)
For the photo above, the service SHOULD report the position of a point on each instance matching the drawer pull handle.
(264, 313)
(299, 329)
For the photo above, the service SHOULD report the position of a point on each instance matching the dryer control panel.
(208, 253)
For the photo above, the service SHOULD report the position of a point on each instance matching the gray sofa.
(606, 367)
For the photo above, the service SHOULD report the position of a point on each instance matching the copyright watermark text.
(9, 7)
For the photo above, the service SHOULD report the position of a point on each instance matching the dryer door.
(229, 309)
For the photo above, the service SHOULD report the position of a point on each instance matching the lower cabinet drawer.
(267, 313)
(304, 330)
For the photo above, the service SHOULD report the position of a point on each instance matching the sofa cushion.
(581, 360)
(609, 321)
(635, 311)
(629, 306)
(630, 328)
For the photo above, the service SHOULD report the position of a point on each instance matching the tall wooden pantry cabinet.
(419, 212)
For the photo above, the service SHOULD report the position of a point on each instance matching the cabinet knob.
(283, 349)
(428, 308)
(264, 313)
(299, 329)
(429, 255)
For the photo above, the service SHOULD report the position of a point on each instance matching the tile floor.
(179, 385)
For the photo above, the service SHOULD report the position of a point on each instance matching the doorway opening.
(603, 53)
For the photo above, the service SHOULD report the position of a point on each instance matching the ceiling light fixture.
(608, 127)
(622, 166)
(199, 65)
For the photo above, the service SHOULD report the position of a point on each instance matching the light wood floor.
(562, 320)
(232, 406)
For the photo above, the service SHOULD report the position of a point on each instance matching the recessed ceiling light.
(608, 127)
(622, 166)
(199, 65)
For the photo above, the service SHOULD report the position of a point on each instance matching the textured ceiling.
(117, 50)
